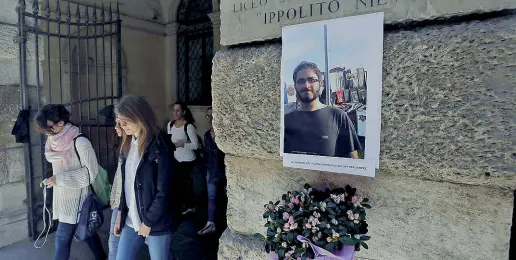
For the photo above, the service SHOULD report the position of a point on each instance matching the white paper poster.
(334, 69)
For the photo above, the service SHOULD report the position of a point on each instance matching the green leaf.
(331, 211)
(298, 252)
(330, 246)
(277, 203)
(365, 200)
(290, 237)
(270, 232)
(266, 214)
(331, 205)
(347, 241)
(260, 236)
(268, 248)
(365, 238)
(281, 253)
(366, 206)
(297, 213)
(364, 245)
(307, 186)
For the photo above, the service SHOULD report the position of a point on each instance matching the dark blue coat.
(153, 189)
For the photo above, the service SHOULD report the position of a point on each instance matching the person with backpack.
(186, 143)
(145, 214)
(74, 167)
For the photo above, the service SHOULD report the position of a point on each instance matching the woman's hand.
(179, 144)
(50, 181)
(144, 231)
(116, 228)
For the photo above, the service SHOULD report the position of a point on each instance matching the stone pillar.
(170, 65)
(215, 20)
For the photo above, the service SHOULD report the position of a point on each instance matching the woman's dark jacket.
(152, 189)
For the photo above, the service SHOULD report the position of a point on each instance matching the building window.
(194, 52)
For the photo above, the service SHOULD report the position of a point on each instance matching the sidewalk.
(25, 249)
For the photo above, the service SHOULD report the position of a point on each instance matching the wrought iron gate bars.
(88, 21)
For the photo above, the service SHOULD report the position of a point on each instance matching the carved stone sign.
(254, 20)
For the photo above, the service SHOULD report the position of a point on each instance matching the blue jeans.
(130, 244)
(113, 240)
(64, 236)
(216, 183)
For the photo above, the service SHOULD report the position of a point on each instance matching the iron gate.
(69, 54)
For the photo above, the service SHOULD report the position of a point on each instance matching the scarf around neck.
(59, 147)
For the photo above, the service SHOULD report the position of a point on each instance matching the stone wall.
(448, 163)
(13, 210)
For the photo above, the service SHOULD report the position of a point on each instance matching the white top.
(186, 153)
(131, 164)
(72, 182)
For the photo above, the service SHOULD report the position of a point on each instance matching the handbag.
(90, 214)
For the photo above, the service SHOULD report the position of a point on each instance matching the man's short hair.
(307, 65)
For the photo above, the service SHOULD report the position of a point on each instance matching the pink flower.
(308, 226)
(351, 217)
(286, 227)
(356, 200)
(290, 205)
(328, 239)
(285, 216)
(295, 200)
(293, 226)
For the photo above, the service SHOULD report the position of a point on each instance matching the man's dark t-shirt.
(326, 132)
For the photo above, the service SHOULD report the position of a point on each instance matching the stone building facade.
(445, 185)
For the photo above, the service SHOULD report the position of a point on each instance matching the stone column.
(215, 20)
(170, 64)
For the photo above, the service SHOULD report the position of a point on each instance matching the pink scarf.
(59, 147)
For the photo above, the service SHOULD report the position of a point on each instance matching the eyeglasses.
(50, 129)
(310, 80)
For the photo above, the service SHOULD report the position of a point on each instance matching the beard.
(306, 98)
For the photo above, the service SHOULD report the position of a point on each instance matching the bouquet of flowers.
(314, 222)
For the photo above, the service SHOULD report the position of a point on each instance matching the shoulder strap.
(79, 157)
(169, 126)
(186, 132)
(75, 146)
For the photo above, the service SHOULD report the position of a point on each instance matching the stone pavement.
(25, 250)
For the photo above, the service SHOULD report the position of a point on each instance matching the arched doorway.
(194, 52)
